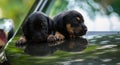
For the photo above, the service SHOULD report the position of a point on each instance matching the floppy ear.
(27, 22)
(26, 28)
(51, 27)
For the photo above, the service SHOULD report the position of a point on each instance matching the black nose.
(85, 29)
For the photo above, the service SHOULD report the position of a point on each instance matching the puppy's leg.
(59, 36)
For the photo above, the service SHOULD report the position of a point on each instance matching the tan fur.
(70, 30)
(78, 18)
(58, 35)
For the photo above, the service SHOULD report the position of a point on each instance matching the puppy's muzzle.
(80, 31)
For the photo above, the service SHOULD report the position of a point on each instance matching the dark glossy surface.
(91, 50)
(43, 49)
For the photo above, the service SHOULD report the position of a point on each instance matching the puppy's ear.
(51, 26)
(26, 27)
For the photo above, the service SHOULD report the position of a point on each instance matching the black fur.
(37, 28)
(69, 17)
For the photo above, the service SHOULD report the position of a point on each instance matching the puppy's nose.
(85, 29)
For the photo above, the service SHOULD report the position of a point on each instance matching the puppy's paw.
(59, 36)
(21, 41)
(51, 38)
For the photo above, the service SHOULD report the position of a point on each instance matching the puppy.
(69, 24)
(37, 28)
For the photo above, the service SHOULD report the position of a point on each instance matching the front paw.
(51, 38)
(59, 36)
(21, 41)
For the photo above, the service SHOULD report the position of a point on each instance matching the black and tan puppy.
(37, 28)
(69, 24)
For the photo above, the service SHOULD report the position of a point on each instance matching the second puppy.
(69, 24)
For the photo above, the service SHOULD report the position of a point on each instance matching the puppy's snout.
(84, 30)
(80, 30)
(84, 27)
(77, 31)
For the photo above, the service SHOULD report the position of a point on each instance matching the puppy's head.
(74, 23)
(39, 26)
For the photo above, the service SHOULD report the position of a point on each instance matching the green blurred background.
(15, 9)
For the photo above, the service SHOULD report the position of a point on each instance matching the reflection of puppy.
(75, 45)
(69, 24)
(37, 28)
(38, 49)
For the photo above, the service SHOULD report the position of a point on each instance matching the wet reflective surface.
(95, 50)
(43, 49)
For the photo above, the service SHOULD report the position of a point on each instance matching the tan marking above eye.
(78, 18)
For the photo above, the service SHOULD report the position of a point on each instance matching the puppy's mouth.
(77, 33)
(80, 33)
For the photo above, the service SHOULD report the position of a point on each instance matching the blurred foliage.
(15, 9)
(58, 6)
(110, 5)
(90, 6)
